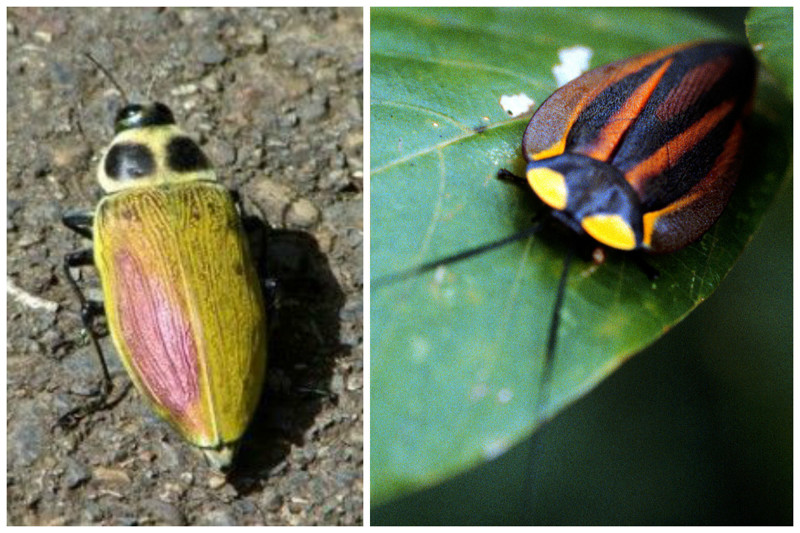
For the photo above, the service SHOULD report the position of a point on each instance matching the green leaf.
(457, 354)
(770, 32)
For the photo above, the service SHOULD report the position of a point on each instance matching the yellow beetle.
(181, 294)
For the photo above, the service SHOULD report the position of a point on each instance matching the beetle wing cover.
(184, 305)
(669, 120)
(550, 127)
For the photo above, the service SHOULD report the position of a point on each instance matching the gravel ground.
(275, 98)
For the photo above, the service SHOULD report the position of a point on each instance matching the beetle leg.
(254, 227)
(79, 221)
(250, 222)
(256, 230)
(89, 310)
(510, 177)
(270, 287)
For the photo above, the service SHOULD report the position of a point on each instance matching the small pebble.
(211, 54)
(217, 517)
(215, 482)
(75, 473)
(302, 214)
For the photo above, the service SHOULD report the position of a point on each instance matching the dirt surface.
(274, 96)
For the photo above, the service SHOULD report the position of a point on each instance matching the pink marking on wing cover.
(158, 335)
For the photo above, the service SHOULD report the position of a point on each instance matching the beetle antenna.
(436, 263)
(532, 471)
(158, 73)
(552, 335)
(108, 75)
(150, 87)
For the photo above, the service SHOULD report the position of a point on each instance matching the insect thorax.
(150, 156)
(590, 196)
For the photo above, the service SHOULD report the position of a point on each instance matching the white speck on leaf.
(574, 62)
(419, 349)
(504, 395)
(516, 104)
(478, 391)
(438, 274)
(495, 449)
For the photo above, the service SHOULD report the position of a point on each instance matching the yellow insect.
(181, 294)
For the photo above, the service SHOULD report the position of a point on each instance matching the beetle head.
(149, 149)
(139, 116)
(590, 196)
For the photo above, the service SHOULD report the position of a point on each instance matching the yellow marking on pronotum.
(611, 230)
(550, 186)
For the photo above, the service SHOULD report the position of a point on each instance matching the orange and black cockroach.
(638, 155)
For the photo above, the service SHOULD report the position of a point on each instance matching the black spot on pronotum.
(126, 161)
(183, 155)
